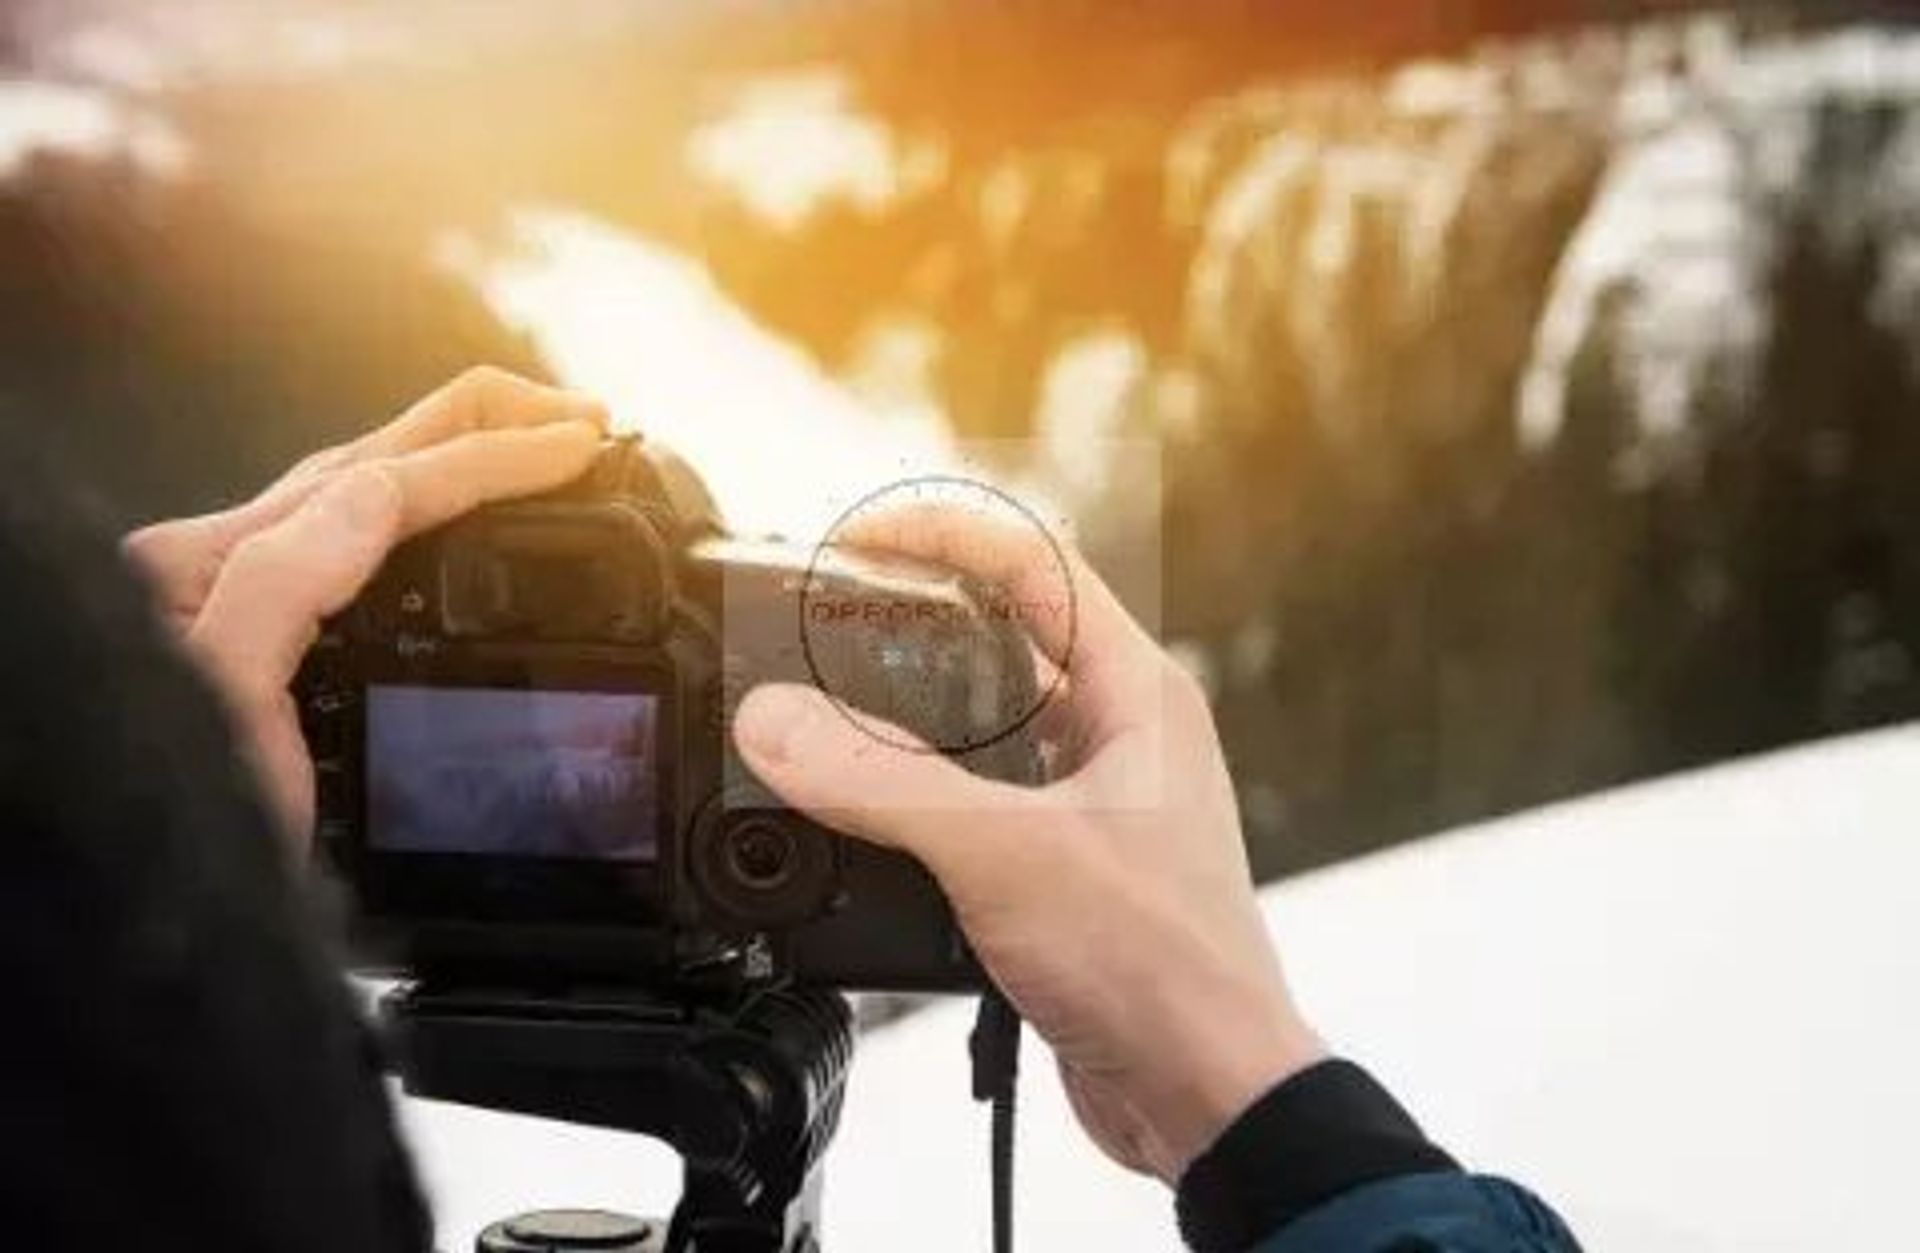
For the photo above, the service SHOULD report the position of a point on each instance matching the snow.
(1676, 207)
(1672, 265)
(1685, 1011)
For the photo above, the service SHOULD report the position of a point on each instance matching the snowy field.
(1686, 1011)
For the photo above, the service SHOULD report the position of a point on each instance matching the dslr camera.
(525, 777)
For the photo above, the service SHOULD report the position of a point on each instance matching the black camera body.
(523, 766)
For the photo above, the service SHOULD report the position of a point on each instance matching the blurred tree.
(182, 354)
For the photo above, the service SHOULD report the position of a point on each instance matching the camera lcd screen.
(513, 773)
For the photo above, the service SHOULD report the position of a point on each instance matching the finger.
(1072, 615)
(180, 559)
(272, 593)
(270, 738)
(286, 494)
(440, 483)
(484, 398)
(868, 779)
(185, 556)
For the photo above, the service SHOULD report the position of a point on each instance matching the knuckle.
(483, 377)
(487, 397)
(322, 463)
(371, 476)
(475, 394)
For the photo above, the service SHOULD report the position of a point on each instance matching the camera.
(523, 766)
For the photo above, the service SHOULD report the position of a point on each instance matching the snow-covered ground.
(1686, 1011)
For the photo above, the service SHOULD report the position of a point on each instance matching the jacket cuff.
(1327, 1129)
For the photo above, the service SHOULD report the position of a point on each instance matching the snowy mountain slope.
(1684, 1010)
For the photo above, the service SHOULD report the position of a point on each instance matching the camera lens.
(760, 853)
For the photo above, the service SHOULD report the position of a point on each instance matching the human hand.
(1113, 906)
(246, 588)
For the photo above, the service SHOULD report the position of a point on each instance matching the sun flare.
(784, 448)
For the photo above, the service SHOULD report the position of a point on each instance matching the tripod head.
(747, 1093)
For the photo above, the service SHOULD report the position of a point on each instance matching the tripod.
(748, 1095)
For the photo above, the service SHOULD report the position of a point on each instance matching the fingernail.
(774, 721)
(367, 500)
(584, 408)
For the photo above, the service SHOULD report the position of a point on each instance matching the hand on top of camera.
(1113, 906)
(247, 587)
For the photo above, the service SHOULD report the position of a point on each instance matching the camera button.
(331, 835)
(761, 853)
(332, 785)
(328, 703)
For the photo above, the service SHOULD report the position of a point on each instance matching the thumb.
(864, 776)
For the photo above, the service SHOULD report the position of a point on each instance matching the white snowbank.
(1685, 1011)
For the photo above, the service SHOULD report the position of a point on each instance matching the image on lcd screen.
(512, 773)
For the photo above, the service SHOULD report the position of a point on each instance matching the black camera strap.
(994, 1046)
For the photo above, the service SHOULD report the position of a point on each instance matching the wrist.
(1230, 1068)
(1322, 1132)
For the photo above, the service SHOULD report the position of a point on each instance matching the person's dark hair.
(182, 1065)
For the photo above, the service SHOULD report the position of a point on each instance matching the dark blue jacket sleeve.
(1440, 1213)
(1329, 1162)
